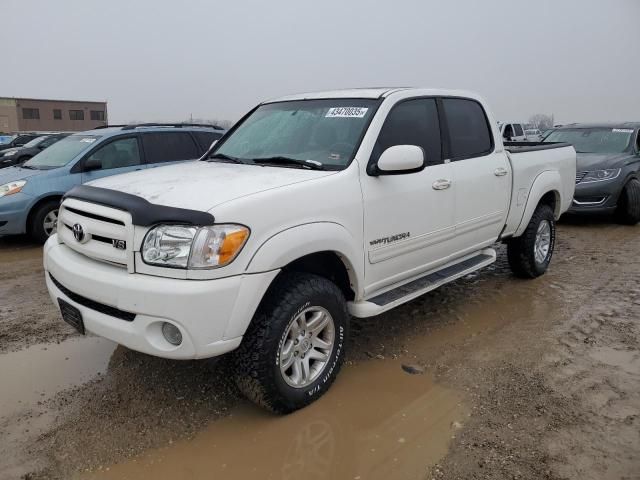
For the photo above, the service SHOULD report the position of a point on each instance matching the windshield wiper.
(229, 158)
(310, 164)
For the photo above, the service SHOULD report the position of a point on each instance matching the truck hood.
(602, 161)
(202, 185)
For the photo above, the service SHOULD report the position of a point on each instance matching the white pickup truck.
(312, 208)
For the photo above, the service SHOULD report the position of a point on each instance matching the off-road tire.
(36, 227)
(628, 211)
(521, 250)
(256, 361)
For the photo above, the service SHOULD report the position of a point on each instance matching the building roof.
(52, 100)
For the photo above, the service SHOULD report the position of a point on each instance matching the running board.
(409, 291)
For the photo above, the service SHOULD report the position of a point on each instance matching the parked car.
(19, 155)
(533, 135)
(311, 208)
(30, 193)
(512, 132)
(608, 176)
(5, 139)
(19, 140)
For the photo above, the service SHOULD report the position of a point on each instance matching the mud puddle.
(41, 371)
(31, 377)
(377, 422)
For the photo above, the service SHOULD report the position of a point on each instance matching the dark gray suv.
(608, 170)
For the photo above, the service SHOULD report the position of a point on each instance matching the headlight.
(601, 175)
(193, 247)
(12, 187)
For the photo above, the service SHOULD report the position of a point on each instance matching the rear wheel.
(530, 254)
(628, 211)
(295, 345)
(44, 221)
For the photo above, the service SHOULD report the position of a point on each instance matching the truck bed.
(530, 162)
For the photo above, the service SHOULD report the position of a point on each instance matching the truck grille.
(580, 176)
(101, 233)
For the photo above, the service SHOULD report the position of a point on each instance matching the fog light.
(171, 333)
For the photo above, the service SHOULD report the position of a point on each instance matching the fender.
(544, 183)
(296, 242)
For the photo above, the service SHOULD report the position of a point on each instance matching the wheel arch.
(546, 189)
(324, 248)
(37, 204)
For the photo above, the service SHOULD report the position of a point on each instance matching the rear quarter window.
(468, 128)
(162, 147)
(205, 139)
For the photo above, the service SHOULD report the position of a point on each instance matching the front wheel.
(44, 221)
(530, 254)
(628, 211)
(295, 345)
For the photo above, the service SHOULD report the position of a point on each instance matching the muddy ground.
(522, 379)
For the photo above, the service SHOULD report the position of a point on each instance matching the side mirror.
(91, 165)
(401, 159)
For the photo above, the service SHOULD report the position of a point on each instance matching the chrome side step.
(415, 288)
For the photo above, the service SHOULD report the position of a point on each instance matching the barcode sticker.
(621, 130)
(346, 112)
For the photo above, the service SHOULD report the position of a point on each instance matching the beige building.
(31, 114)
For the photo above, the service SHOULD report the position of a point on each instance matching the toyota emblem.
(78, 232)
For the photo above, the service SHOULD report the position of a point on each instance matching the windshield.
(594, 140)
(62, 152)
(326, 131)
(34, 142)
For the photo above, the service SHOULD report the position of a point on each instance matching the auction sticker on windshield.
(347, 112)
(88, 140)
(621, 130)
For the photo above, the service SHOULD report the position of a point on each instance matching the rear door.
(161, 148)
(409, 217)
(114, 156)
(482, 175)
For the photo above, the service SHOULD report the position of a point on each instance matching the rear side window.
(469, 133)
(205, 139)
(169, 146)
(413, 122)
(518, 129)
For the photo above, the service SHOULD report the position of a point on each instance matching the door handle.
(500, 172)
(441, 184)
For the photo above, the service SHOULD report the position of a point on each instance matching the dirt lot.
(522, 379)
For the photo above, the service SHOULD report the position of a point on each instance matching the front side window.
(62, 152)
(31, 113)
(469, 133)
(412, 122)
(117, 154)
(327, 132)
(594, 140)
(169, 147)
(76, 115)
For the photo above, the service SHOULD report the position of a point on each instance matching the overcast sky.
(161, 60)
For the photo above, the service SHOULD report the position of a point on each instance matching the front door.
(113, 157)
(408, 218)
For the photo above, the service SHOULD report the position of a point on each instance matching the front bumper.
(597, 197)
(212, 315)
(14, 210)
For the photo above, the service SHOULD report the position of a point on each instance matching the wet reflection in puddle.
(41, 371)
(376, 422)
